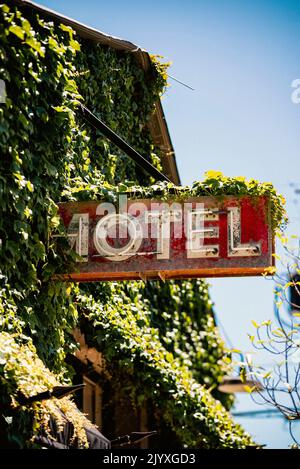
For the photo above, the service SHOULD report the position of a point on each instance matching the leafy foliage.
(21, 371)
(161, 355)
(149, 334)
(215, 184)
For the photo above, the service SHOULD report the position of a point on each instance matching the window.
(92, 401)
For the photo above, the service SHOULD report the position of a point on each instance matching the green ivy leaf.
(36, 45)
(17, 30)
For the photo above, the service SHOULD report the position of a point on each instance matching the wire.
(258, 413)
(184, 84)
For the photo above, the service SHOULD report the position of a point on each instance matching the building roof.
(158, 125)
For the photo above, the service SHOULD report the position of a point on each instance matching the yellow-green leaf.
(255, 324)
(17, 30)
(276, 256)
(75, 44)
(213, 174)
(67, 29)
(249, 389)
(36, 45)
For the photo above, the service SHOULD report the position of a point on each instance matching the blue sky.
(241, 58)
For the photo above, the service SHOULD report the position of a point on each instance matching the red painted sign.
(198, 237)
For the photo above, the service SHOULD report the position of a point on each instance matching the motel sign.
(148, 239)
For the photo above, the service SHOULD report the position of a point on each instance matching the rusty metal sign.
(148, 239)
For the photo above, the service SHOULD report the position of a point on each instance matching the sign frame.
(255, 216)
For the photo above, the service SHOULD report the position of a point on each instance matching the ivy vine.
(153, 333)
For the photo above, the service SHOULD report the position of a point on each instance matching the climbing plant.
(153, 333)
